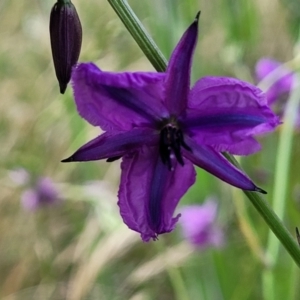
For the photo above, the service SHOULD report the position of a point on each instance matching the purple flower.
(278, 93)
(43, 194)
(283, 78)
(199, 226)
(161, 128)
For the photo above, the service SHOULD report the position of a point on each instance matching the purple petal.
(225, 113)
(245, 147)
(44, 193)
(199, 224)
(114, 145)
(30, 200)
(178, 71)
(118, 101)
(149, 192)
(215, 163)
(47, 190)
(283, 79)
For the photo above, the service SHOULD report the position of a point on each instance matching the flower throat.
(171, 139)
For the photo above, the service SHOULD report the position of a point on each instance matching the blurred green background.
(80, 249)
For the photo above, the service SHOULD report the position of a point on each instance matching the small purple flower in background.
(161, 128)
(283, 82)
(278, 93)
(43, 191)
(199, 225)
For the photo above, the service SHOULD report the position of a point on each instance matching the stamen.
(171, 140)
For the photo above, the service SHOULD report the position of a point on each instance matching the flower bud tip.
(62, 87)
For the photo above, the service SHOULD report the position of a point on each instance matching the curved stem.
(139, 33)
(275, 224)
(175, 277)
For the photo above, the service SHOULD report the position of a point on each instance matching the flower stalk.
(271, 218)
(157, 59)
(139, 33)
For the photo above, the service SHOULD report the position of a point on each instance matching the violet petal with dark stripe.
(160, 127)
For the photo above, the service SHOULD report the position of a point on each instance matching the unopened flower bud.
(66, 37)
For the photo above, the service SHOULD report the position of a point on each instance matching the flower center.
(171, 139)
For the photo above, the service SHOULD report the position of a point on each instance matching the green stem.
(265, 210)
(155, 56)
(139, 33)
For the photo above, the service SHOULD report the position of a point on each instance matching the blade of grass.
(281, 183)
(270, 217)
(247, 228)
(174, 274)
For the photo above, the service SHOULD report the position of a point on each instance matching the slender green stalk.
(139, 33)
(265, 210)
(155, 56)
(280, 185)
